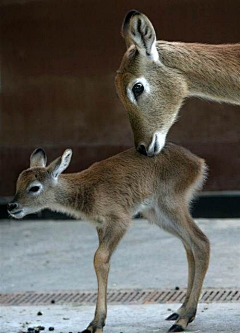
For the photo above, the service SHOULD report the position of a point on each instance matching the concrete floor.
(57, 255)
(121, 318)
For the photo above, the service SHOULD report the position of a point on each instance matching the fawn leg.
(200, 246)
(172, 226)
(109, 238)
(191, 271)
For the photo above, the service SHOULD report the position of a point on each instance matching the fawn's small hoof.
(173, 316)
(191, 319)
(176, 328)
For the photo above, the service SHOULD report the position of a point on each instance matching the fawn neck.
(211, 71)
(69, 195)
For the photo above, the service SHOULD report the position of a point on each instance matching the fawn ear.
(138, 30)
(38, 158)
(60, 164)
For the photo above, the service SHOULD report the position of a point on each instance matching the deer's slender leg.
(109, 238)
(191, 272)
(201, 248)
(176, 223)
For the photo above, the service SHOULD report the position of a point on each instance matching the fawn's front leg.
(109, 238)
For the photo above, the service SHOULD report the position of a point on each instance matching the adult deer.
(109, 193)
(156, 76)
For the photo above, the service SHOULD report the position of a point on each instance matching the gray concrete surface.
(211, 318)
(57, 255)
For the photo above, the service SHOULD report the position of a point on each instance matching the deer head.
(35, 186)
(151, 92)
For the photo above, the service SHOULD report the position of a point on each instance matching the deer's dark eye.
(34, 189)
(137, 89)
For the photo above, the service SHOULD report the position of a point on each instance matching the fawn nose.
(12, 206)
(142, 149)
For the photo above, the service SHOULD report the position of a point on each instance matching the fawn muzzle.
(15, 210)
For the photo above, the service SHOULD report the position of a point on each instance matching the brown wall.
(58, 61)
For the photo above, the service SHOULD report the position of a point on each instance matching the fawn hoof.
(173, 316)
(193, 315)
(191, 319)
(176, 328)
(92, 330)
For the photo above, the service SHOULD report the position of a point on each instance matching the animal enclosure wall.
(58, 62)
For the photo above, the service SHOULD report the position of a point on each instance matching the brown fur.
(109, 193)
(173, 71)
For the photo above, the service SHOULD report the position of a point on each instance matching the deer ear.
(60, 164)
(38, 158)
(138, 30)
(125, 27)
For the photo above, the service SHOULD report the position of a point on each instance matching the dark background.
(58, 62)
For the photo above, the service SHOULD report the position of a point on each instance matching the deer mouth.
(17, 214)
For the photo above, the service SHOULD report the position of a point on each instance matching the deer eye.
(137, 89)
(34, 189)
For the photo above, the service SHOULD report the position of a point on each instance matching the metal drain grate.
(117, 297)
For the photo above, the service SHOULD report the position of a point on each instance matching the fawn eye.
(34, 189)
(137, 89)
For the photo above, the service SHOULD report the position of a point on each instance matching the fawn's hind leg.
(179, 223)
(200, 247)
(162, 221)
(191, 272)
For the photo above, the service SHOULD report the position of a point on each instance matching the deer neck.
(69, 195)
(211, 71)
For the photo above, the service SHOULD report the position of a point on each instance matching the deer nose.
(142, 149)
(12, 206)
(157, 144)
(148, 151)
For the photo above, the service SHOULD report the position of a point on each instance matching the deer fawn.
(109, 193)
(156, 76)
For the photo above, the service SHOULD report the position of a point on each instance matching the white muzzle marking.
(157, 144)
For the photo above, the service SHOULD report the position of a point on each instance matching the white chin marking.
(157, 144)
(161, 139)
(19, 215)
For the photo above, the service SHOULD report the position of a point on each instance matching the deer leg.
(160, 220)
(200, 247)
(108, 241)
(191, 271)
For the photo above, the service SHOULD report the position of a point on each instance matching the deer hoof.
(191, 319)
(92, 330)
(173, 316)
(176, 328)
